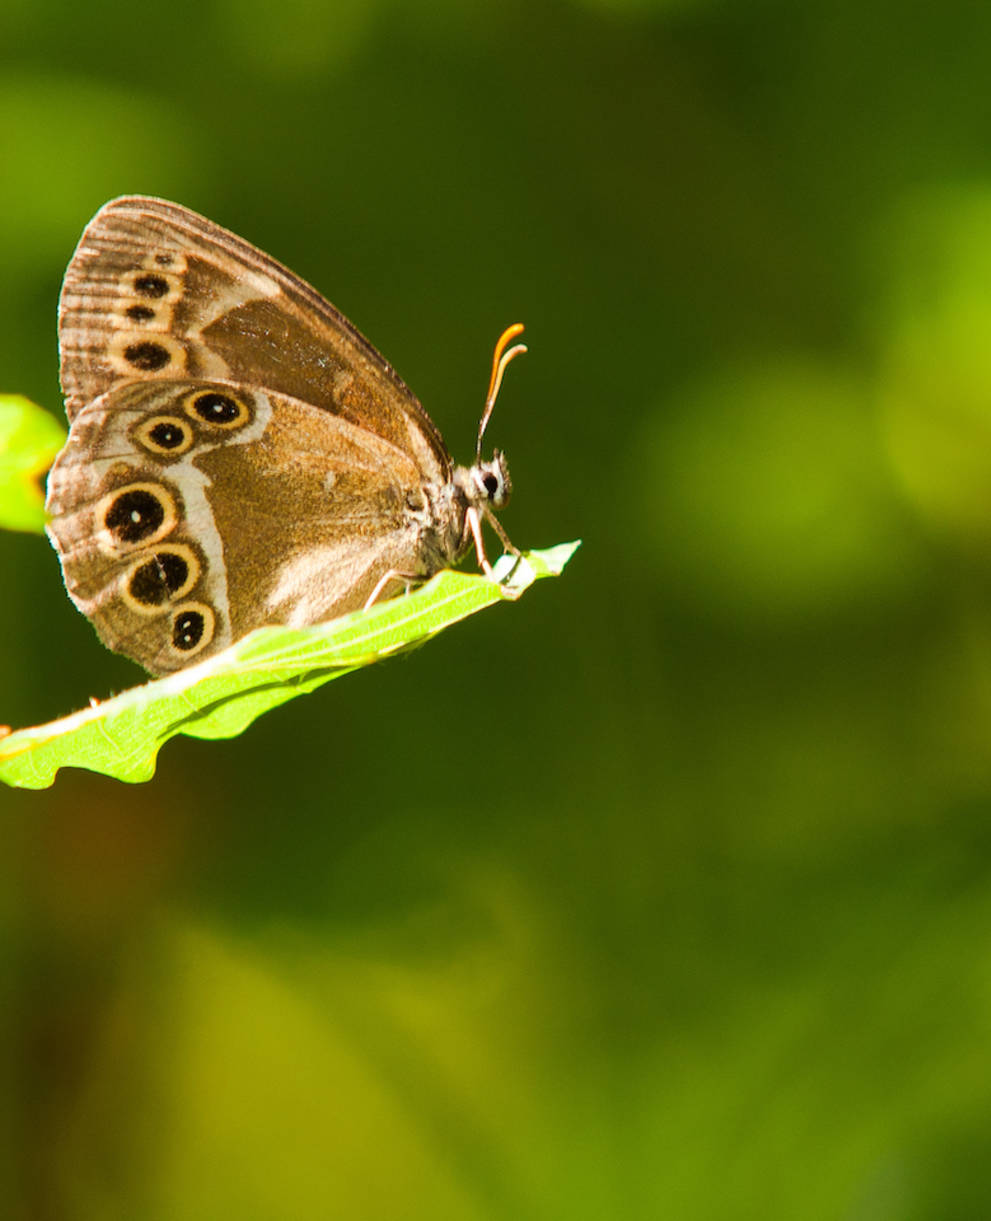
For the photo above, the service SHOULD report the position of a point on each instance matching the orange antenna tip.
(500, 359)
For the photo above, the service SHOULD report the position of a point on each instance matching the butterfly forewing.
(155, 292)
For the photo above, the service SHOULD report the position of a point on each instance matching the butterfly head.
(488, 483)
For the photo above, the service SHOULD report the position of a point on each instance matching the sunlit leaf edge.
(121, 736)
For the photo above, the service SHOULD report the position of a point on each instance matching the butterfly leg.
(392, 575)
(475, 524)
(504, 538)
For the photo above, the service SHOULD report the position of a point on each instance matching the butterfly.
(238, 454)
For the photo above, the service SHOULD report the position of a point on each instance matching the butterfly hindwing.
(186, 513)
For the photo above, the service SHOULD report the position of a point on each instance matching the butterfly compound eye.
(492, 481)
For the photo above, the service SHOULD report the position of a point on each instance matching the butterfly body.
(238, 454)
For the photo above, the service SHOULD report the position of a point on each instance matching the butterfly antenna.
(500, 360)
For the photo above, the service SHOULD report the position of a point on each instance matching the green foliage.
(29, 440)
(668, 894)
(221, 697)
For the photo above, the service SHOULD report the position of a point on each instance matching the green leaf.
(29, 440)
(220, 697)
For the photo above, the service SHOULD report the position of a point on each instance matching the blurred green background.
(667, 892)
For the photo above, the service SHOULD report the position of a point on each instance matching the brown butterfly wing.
(156, 292)
(179, 530)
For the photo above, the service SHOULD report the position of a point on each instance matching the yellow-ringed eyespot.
(166, 435)
(153, 285)
(135, 515)
(218, 408)
(191, 628)
(134, 352)
(154, 580)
